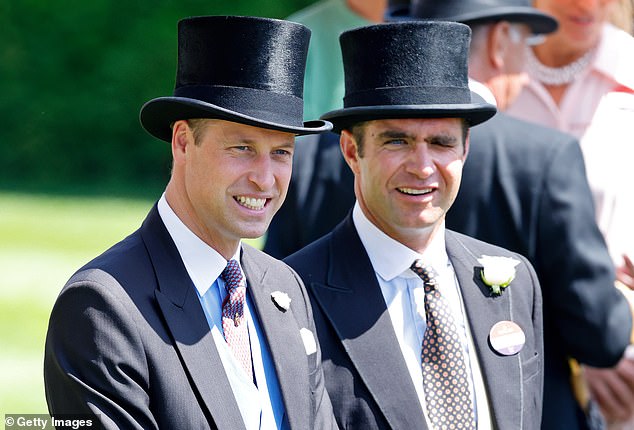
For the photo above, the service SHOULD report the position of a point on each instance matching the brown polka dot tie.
(234, 324)
(445, 376)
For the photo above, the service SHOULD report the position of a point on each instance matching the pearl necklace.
(557, 75)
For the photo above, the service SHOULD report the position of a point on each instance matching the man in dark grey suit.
(525, 188)
(380, 318)
(180, 325)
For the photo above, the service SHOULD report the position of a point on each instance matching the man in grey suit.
(181, 325)
(525, 188)
(406, 346)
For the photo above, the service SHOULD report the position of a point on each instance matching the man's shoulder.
(525, 144)
(519, 130)
(123, 255)
(476, 248)
(261, 258)
(261, 262)
(122, 266)
(462, 246)
(317, 249)
(315, 260)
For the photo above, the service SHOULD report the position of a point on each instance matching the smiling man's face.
(407, 174)
(229, 179)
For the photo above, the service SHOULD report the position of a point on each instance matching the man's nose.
(261, 173)
(420, 162)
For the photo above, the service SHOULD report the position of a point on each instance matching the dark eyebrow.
(394, 134)
(439, 139)
(442, 139)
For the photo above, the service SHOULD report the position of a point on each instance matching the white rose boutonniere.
(497, 272)
(281, 300)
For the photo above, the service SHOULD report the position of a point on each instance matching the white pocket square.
(309, 341)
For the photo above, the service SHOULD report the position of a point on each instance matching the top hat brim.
(538, 22)
(473, 113)
(159, 114)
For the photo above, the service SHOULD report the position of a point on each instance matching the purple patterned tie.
(234, 324)
(445, 377)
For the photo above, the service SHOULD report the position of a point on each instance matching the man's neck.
(183, 209)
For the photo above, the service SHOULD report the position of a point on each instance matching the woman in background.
(582, 82)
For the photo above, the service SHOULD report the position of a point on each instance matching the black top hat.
(242, 69)
(413, 69)
(475, 12)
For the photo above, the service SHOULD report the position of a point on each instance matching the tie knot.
(232, 275)
(425, 272)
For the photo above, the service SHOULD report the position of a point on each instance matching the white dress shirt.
(404, 296)
(261, 405)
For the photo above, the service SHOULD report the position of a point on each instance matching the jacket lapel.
(483, 311)
(186, 321)
(281, 334)
(352, 301)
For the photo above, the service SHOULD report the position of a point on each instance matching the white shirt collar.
(391, 258)
(203, 263)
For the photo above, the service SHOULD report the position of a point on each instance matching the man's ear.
(181, 137)
(349, 149)
(498, 44)
(467, 144)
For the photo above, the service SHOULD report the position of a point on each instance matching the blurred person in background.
(327, 19)
(582, 82)
(181, 325)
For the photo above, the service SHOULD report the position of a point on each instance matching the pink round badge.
(507, 338)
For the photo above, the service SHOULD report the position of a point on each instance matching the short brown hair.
(198, 126)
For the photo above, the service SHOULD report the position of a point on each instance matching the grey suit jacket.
(524, 188)
(366, 375)
(128, 341)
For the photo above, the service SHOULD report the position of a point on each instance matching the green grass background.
(43, 240)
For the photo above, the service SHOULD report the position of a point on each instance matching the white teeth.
(415, 192)
(251, 202)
